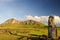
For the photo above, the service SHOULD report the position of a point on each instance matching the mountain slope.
(13, 23)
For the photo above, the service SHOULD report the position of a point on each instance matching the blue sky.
(21, 8)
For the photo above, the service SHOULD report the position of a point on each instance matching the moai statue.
(52, 30)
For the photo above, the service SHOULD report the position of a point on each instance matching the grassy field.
(22, 30)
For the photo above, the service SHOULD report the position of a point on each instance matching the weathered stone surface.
(52, 30)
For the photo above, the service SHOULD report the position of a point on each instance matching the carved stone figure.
(52, 30)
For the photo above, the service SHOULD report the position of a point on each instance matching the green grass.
(5, 36)
(23, 29)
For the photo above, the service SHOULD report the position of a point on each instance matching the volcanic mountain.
(16, 23)
(32, 22)
(12, 21)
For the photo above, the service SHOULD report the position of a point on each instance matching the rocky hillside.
(12, 21)
(32, 22)
(27, 23)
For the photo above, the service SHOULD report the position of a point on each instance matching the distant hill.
(12, 21)
(27, 23)
(32, 22)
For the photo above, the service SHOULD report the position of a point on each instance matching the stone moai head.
(51, 18)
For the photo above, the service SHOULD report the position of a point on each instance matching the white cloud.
(57, 19)
(43, 19)
(36, 18)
